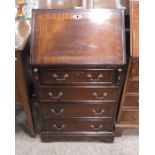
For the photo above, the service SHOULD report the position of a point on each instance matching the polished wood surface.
(77, 125)
(78, 93)
(106, 137)
(22, 99)
(78, 109)
(133, 86)
(77, 102)
(134, 75)
(17, 95)
(50, 46)
(134, 27)
(128, 115)
(131, 89)
(131, 101)
(78, 64)
(104, 76)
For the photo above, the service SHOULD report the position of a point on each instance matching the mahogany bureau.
(78, 62)
(128, 116)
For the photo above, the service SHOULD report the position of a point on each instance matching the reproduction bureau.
(78, 62)
(128, 116)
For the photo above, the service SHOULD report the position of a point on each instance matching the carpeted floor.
(128, 144)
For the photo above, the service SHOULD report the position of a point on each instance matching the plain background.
(147, 77)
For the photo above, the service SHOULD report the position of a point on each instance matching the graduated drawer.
(78, 93)
(134, 73)
(129, 116)
(133, 86)
(50, 76)
(131, 101)
(77, 109)
(76, 125)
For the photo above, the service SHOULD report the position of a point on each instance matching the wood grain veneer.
(107, 48)
(78, 70)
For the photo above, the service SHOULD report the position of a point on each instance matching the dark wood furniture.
(78, 64)
(128, 116)
(22, 34)
(73, 4)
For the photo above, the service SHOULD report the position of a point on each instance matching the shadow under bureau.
(78, 64)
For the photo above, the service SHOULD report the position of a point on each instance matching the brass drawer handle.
(96, 128)
(59, 128)
(55, 97)
(57, 112)
(100, 97)
(61, 79)
(135, 117)
(101, 111)
(95, 79)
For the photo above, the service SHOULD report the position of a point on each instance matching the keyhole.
(77, 17)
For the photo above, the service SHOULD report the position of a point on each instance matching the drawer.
(78, 93)
(129, 116)
(54, 76)
(77, 109)
(76, 125)
(134, 73)
(131, 100)
(133, 86)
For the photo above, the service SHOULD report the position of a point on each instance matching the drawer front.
(129, 116)
(76, 125)
(50, 76)
(133, 86)
(78, 93)
(131, 101)
(134, 74)
(77, 109)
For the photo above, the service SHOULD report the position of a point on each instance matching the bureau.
(78, 62)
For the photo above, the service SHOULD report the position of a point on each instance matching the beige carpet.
(128, 144)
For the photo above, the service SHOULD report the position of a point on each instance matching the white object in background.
(119, 5)
(30, 4)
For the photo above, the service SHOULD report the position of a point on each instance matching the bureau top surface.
(89, 36)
